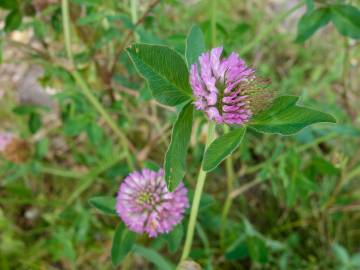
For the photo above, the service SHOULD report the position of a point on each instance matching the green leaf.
(42, 147)
(109, 35)
(92, 3)
(238, 250)
(12, 20)
(311, 22)
(165, 71)
(34, 122)
(175, 157)
(9, 4)
(310, 6)
(105, 204)
(355, 260)
(195, 45)
(257, 249)
(74, 126)
(341, 254)
(222, 147)
(91, 18)
(39, 28)
(95, 133)
(285, 117)
(322, 166)
(61, 245)
(206, 200)
(292, 192)
(174, 238)
(152, 256)
(122, 244)
(346, 19)
(29, 109)
(151, 165)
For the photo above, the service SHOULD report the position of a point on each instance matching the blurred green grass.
(295, 197)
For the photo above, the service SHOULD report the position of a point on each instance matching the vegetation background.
(295, 200)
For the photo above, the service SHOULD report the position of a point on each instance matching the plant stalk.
(230, 183)
(66, 26)
(133, 7)
(134, 15)
(85, 89)
(196, 200)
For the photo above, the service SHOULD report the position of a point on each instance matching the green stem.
(230, 182)
(196, 200)
(85, 89)
(202, 174)
(66, 26)
(93, 100)
(345, 76)
(133, 6)
(87, 180)
(225, 212)
(134, 15)
(60, 172)
(355, 172)
(91, 176)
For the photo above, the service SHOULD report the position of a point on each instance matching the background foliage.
(295, 199)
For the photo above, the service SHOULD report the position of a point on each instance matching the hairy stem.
(196, 200)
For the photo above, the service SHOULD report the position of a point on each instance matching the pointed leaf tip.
(284, 117)
(222, 147)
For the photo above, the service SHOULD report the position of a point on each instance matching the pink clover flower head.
(5, 140)
(226, 89)
(146, 206)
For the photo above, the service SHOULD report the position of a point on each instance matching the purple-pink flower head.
(146, 206)
(226, 89)
(13, 148)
